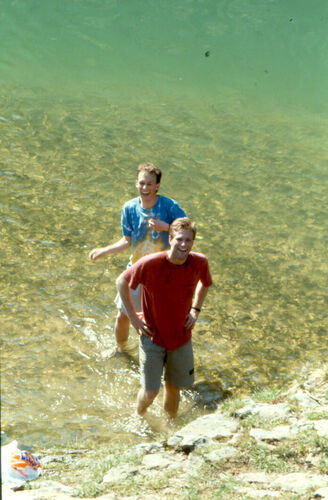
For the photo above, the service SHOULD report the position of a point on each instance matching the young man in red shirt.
(174, 286)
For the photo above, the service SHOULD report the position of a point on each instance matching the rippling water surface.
(230, 100)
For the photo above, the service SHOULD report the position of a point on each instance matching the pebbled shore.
(268, 445)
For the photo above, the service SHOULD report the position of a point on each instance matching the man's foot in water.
(119, 350)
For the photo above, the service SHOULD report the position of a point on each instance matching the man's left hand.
(158, 225)
(191, 319)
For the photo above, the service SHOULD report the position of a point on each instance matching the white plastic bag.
(18, 466)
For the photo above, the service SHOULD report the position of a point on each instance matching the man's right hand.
(141, 327)
(96, 253)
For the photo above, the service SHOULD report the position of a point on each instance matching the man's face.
(180, 245)
(147, 186)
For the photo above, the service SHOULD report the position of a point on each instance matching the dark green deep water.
(230, 99)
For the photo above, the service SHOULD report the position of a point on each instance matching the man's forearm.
(119, 246)
(199, 297)
(124, 291)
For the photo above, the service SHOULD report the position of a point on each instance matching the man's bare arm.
(119, 246)
(124, 291)
(199, 297)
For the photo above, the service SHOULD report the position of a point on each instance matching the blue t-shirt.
(134, 220)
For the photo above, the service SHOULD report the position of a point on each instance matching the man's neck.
(148, 203)
(176, 262)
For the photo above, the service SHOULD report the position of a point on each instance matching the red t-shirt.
(167, 294)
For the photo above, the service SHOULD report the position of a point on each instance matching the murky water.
(88, 91)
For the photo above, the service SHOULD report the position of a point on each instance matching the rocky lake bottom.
(271, 444)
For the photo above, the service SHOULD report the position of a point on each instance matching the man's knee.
(172, 389)
(121, 317)
(171, 399)
(145, 399)
(150, 395)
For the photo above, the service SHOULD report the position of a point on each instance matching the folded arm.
(158, 225)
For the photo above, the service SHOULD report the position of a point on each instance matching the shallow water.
(90, 90)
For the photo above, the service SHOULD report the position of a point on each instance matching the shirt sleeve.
(206, 277)
(134, 274)
(176, 211)
(126, 221)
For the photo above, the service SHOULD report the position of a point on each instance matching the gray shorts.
(135, 297)
(178, 365)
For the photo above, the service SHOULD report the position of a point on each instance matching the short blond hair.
(182, 223)
(150, 168)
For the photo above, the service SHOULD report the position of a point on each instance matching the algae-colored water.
(88, 91)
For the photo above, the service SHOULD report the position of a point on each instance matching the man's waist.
(171, 342)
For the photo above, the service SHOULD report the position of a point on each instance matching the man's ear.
(157, 187)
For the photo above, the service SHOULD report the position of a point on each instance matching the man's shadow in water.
(207, 395)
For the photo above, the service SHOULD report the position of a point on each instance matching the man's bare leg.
(145, 399)
(121, 330)
(171, 399)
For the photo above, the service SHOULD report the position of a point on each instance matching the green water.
(91, 88)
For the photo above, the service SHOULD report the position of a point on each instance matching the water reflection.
(257, 188)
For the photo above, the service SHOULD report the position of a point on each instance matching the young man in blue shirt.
(145, 224)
